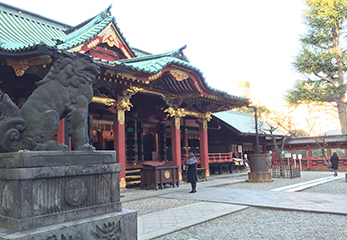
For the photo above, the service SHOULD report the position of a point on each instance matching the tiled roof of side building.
(320, 139)
(21, 30)
(243, 122)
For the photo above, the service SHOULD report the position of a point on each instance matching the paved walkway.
(221, 201)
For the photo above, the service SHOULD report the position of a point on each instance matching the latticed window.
(317, 153)
(248, 146)
(300, 151)
(341, 152)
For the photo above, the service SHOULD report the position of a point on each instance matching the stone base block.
(118, 225)
(259, 177)
(39, 189)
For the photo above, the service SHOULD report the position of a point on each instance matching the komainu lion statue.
(64, 92)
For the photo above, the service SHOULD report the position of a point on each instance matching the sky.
(229, 41)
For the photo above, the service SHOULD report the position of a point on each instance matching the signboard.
(239, 148)
(299, 156)
(294, 156)
(287, 155)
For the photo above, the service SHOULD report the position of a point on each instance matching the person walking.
(192, 177)
(335, 163)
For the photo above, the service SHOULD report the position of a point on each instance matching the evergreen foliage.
(322, 59)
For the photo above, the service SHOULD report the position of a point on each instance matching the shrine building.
(146, 107)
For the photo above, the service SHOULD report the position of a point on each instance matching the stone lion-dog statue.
(65, 92)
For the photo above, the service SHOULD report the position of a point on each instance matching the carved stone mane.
(64, 92)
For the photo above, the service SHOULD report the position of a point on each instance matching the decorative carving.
(178, 74)
(109, 37)
(125, 75)
(21, 65)
(64, 92)
(124, 104)
(76, 192)
(6, 198)
(122, 183)
(172, 112)
(111, 72)
(198, 87)
(110, 231)
(176, 114)
(206, 115)
(155, 76)
(61, 238)
(167, 174)
(133, 90)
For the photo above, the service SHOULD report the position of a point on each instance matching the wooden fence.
(287, 172)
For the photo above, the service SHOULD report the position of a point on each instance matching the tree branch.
(324, 78)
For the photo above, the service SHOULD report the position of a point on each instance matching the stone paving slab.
(137, 193)
(305, 185)
(170, 220)
(313, 202)
(217, 202)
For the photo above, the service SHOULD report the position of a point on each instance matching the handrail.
(212, 157)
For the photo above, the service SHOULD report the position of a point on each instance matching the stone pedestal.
(259, 165)
(62, 195)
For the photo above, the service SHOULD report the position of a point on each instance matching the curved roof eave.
(153, 66)
(88, 30)
(138, 64)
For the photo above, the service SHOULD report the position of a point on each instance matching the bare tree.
(314, 114)
(321, 142)
(278, 127)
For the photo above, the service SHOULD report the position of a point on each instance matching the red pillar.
(176, 143)
(61, 132)
(204, 146)
(119, 144)
(309, 159)
(186, 145)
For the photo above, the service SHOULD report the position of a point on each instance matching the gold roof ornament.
(180, 112)
(206, 116)
(124, 104)
(179, 75)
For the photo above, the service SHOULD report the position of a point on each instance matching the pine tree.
(322, 58)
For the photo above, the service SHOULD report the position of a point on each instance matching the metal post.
(256, 130)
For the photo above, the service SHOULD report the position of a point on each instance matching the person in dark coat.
(335, 163)
(192, 177)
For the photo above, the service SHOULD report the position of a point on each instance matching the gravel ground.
(154, 204)
(335, 187)
(260, 223)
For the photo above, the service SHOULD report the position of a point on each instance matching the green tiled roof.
(85, 31)
(139, 52)
(154, 63)
(242, 122)
(22, 30)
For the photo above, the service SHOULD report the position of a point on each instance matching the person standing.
(335, 163)
(192, 176)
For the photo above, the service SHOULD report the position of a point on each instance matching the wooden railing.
(212, 157)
